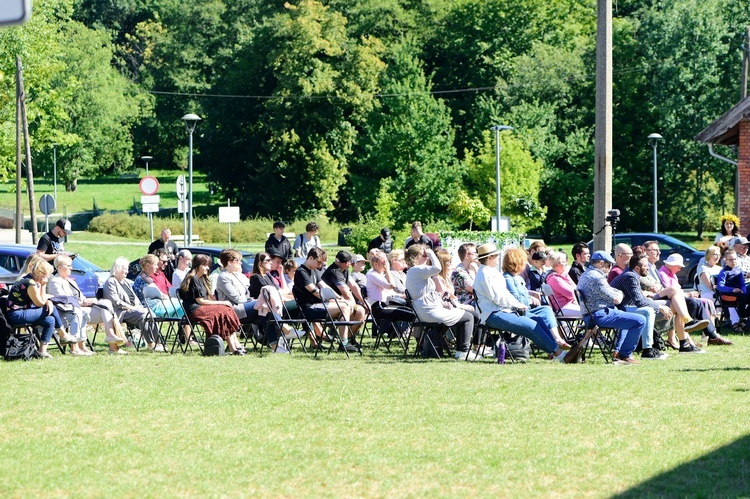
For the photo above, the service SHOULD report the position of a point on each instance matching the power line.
(630, 70)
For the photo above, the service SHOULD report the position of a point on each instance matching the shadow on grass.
(724, 472)
(709, 369)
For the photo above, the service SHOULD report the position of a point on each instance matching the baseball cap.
(385, 232)
(343, 256)
(539, 255)
(64, 224)
(357, 258)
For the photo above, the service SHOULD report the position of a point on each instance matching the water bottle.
(500, 351)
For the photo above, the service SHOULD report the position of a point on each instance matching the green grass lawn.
(112, 192)
(374, 426)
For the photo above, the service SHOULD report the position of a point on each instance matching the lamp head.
(147, 158)
(500, 128)
(654, 138)
(190, 121)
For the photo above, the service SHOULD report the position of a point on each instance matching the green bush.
(479, 237)
(208, 228)
(362, 234)
(121, 224)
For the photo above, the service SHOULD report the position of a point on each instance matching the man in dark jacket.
(277, 243)
(383, 242)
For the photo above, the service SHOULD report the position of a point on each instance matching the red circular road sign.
(149, 186)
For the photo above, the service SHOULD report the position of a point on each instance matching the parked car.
(7, 278)
(85, 273)
(247, 260)
(667, 245)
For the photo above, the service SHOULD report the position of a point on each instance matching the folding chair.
(171, 318)
(278, 323)
(330, 325)
(197, 332)
(569, 325)
(605, 339)
(386, 331)
(442, 331)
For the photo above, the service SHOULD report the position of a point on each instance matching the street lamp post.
(146, 159)
(54, 168)
(191, 120)
(497, 129)
(654, 139)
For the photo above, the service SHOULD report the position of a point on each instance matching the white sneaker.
(280, 349)
(560, 358)
(470, 356)
(294, 334)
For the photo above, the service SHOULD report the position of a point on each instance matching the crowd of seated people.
(515, 290)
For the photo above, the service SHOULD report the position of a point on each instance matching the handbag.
(21, 346)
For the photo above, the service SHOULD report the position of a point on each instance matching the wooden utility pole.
(745, 62)
(19, 212)
(603, 134)
(27, 141)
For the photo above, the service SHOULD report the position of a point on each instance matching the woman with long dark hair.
(216, 317)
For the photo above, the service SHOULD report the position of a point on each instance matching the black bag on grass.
(432, 347)
(214, 346)
(21, 347)
(517, 346)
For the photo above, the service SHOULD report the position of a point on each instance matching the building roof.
(725, 130)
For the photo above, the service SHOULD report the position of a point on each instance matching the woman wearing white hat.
(501, 310)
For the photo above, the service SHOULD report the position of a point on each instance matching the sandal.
(673, 346)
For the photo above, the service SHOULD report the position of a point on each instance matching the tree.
(410, 141)
(75, 97)
(323, 83)
(520, 177)
(686, 90)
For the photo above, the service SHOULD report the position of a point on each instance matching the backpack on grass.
(214, 346)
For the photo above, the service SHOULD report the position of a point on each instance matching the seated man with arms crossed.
(635, 301)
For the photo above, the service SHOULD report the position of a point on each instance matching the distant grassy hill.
(112, 192)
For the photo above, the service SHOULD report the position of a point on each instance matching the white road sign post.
(181, 187)
(229, 215)
(149, 202)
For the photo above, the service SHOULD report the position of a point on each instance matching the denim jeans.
(647, 338)
(534, 328)
(631, 327)
(37, 317)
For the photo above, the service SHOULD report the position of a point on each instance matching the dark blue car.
(13, 256)
(667, 245)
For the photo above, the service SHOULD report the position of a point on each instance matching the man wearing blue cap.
(601, 300)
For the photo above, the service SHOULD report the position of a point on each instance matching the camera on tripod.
(613, 216)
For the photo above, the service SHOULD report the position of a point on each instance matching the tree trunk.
(72, 185)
